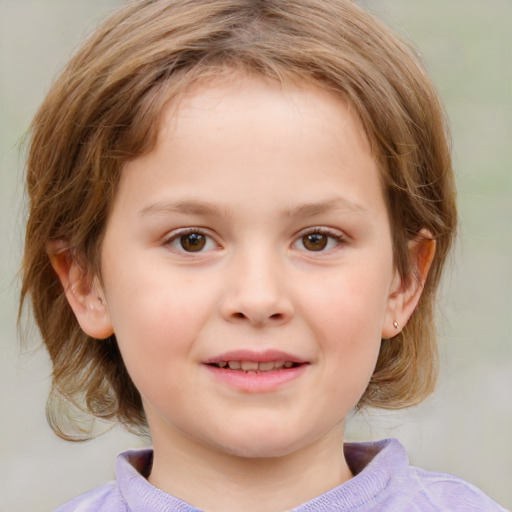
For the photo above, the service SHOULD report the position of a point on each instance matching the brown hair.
(104, 110)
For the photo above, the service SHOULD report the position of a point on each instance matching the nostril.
(275, 316)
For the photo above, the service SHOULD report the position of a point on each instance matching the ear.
(406, 292)
(83, 291)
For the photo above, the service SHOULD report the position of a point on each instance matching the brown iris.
(315, 241)
(193, 242)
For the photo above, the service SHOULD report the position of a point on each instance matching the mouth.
(249, 361)
(249, 366)
(250, 371)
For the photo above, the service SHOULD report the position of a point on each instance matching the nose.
(257, 294)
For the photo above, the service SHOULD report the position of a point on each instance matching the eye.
(191, 240)
(319, 240)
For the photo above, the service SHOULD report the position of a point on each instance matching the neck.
(228, 483)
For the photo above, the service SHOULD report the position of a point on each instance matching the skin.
(252, 167)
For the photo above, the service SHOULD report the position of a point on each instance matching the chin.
(260, 445)
(251, 451)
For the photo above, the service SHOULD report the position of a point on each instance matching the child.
(239, 215)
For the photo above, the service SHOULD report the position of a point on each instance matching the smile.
(251, 371)
(254, 366)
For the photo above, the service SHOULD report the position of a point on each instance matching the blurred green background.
(466, 427)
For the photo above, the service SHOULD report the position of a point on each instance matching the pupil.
(315, 241)
(193, 242)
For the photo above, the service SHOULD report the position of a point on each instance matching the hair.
(104, 109)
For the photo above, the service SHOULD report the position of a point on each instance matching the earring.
(395, 325)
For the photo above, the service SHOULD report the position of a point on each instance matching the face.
(247, 268)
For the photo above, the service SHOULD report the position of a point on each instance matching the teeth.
(254, 367)
(249, 365)
(265, 367)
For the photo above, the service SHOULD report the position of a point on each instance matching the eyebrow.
(337, 203)
(194, 207)
(190, 207)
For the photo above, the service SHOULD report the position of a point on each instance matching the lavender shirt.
(383, 481)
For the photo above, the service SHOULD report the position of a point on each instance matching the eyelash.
(331, 234)
(180, 234)
(178, 237)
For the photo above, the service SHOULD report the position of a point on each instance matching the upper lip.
(258, 357)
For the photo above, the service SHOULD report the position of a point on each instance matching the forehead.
(238, 90)
(243, 103)
(255, 135)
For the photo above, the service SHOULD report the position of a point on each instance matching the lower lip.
(262, 382)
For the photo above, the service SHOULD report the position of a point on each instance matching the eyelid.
(339, 236)
(175, 235)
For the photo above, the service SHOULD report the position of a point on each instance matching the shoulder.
(448, 492)
(105, 498)
(385, 481)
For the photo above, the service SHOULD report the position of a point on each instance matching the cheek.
(156, 316)
(347, 315)
(156, 337)
(349, 305)
(350, 352)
